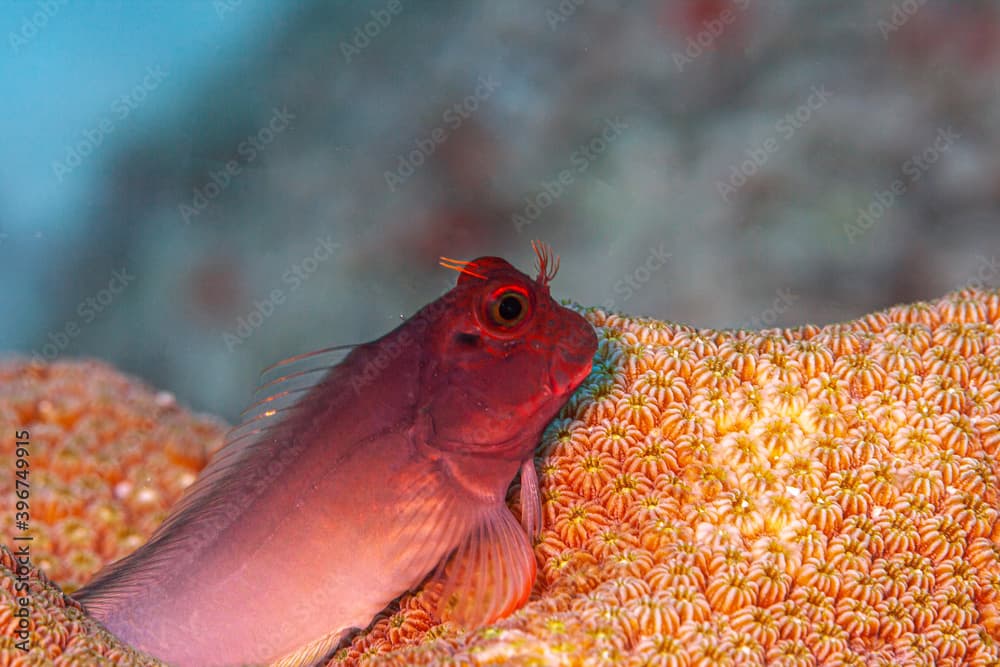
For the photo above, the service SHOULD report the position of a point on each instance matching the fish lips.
(573, 360)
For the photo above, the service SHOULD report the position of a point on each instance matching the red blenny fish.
(347, 485)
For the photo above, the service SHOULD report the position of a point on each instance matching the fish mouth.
(561, 384)
(565, 375)
(574, 355)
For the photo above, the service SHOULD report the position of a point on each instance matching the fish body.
(321, 510)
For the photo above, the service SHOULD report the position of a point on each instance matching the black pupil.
(510, 308)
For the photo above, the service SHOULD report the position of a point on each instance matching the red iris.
(506, 308)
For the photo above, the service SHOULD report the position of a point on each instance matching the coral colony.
(817, 495)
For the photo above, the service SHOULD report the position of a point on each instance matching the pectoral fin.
(490, 574)
(531, 500)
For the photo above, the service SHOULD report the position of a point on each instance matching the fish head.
(507, 358)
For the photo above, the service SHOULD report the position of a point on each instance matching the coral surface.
(817, 495)
(59, 632)
(108, 457)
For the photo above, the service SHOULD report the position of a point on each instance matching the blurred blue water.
(91, 75)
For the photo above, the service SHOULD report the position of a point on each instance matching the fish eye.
(507, 307)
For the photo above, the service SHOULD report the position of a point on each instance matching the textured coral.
(108, 459)
(61, 633)
(790, 497)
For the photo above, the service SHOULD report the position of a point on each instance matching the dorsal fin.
(306, 360)
(275, 398)
(264, 425)
(300, 371)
